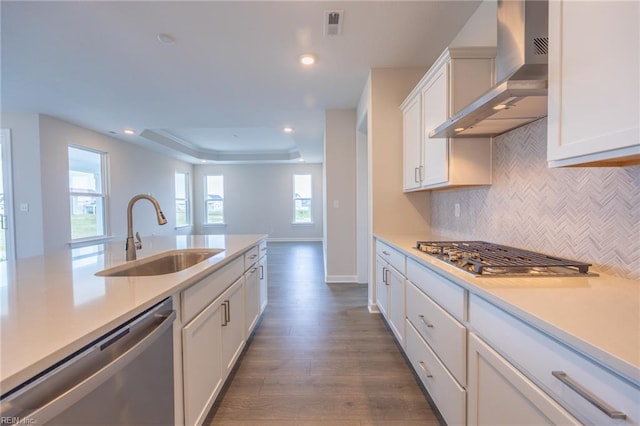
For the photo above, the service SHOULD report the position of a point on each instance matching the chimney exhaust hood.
(520, 96)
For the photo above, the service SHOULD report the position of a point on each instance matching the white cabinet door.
(252, 296)
(396, 304)
(382, 299)
(412, 142)
(202, 362)
(233, 326)
(498, 394)
(594, 89)
(435, 112)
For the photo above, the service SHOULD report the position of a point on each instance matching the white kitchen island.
(54, 305)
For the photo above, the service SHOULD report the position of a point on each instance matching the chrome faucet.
(131, 246)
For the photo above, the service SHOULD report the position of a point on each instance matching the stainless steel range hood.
(520, 96)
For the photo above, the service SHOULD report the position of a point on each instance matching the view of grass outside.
(181, 213)
(3, 246)
(302, 211)
(84, 226)
(182, 199)
(214, 187)
(215, 212)
(302, 198)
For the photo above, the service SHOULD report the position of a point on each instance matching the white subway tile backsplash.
(590, 214)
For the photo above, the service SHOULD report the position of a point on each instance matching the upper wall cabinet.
(594, 89)
(459, 76)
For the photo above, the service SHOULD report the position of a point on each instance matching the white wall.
(340, 189)
(132, 170)
(394, 212)
(259, 199)
(481, 28)
(27, 189)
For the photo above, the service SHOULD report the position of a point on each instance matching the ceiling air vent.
(333, 22)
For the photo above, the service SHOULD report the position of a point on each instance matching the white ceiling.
(230, 82)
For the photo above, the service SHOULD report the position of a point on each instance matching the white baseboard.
(295, 240)
(341, 279)
(373, 309)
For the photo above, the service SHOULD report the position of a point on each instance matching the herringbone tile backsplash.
(590, 214)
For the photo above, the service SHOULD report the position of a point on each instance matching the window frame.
(308, 199)
(187, 199)
(103, 194)
(206, 200)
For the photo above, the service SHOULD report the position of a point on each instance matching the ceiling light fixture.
(287, 129)
(129, 131)
(165, 38)
(458, 129)
(308, 59)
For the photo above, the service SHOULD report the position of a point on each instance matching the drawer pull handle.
(424, 367)
(253, 256)
(586, 394)
(424, 321)
(386, 253)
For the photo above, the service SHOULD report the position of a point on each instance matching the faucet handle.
(139, 241)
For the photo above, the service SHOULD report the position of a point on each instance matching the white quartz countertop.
(53, 305)
(598, 316)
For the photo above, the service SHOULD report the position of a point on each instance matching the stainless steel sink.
(161, 264)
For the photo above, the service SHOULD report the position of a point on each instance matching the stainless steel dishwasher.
(123, 378)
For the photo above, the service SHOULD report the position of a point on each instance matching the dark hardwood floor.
(318, 357)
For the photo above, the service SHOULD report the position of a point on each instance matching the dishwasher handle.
(61, 402)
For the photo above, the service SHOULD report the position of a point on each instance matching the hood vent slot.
(541, 45)
(333, 22)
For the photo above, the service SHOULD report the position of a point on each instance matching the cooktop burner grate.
(483, 258)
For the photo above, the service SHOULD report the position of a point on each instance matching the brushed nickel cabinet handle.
(424, 367)
(224, 317)
(261, 272)
(415, 175)
(386, 253)
(424, 321)
(586, 394)
(228, 310)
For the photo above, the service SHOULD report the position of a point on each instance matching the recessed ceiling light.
(499, 107)
(129, 131)
(165, 38)
(287, 129)
(308, 59)
(458, 129)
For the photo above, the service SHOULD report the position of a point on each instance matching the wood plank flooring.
(318, 356)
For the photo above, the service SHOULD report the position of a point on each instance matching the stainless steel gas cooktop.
(481, 258)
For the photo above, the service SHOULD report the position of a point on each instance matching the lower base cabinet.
(446, 393)
(219, 313)
(498, 394)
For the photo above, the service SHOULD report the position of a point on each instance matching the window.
(87, 193)
(302, 199)
(214, 195)
(183, 205)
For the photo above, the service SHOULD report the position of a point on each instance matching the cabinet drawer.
(446, 336)
(443, 388)
(391, 255)
(538, 355)
(448, 295)
(251, 257)
(199, 295)
(262, 248)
